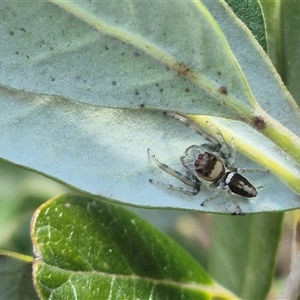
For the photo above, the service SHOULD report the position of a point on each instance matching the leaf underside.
(114, 68)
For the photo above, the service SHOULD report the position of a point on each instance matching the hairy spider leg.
(230, 195)
(225, 151)
(216, 143)
(193, 182)
(233, 200)
(250, 170)
(230, 160)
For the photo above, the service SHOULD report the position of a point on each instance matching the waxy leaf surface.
(90, 249)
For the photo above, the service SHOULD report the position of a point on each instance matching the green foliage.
(86, 247)
(246, 249)
(83, 88)
(250, 12)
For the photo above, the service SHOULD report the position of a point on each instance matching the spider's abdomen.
(239, 185)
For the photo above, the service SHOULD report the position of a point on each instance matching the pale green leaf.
(112, 84)
(104, 160)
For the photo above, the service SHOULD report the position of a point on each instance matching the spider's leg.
(192, 182)
(192, 192)
(250, 170)
(221, 187)
(215, 144)
(225, 151)
(233, 200)
(230, 159)
(212, 196)
(230, 163)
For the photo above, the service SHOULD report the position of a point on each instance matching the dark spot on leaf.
(22, 29)
(156, 84)
(219, 73)
(142, 105)
(223, 90)
(114, 82)
(136, 54)
(123, 53)
(259, 123)
(11, 33)
(17, 52)
(161, 90)
(136, 92)
(53, 78)
(187, 90)
(106, 48)
(184, 71)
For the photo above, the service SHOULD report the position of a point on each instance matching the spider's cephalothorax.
(209, 166)
(212, 162)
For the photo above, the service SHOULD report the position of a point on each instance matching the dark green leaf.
(244, 253)
(90, 249)
(250, 12)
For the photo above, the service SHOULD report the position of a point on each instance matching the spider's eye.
(205, 174)
(200, 156)
(196, 163)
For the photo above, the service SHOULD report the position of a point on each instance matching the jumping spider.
(213, 162)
